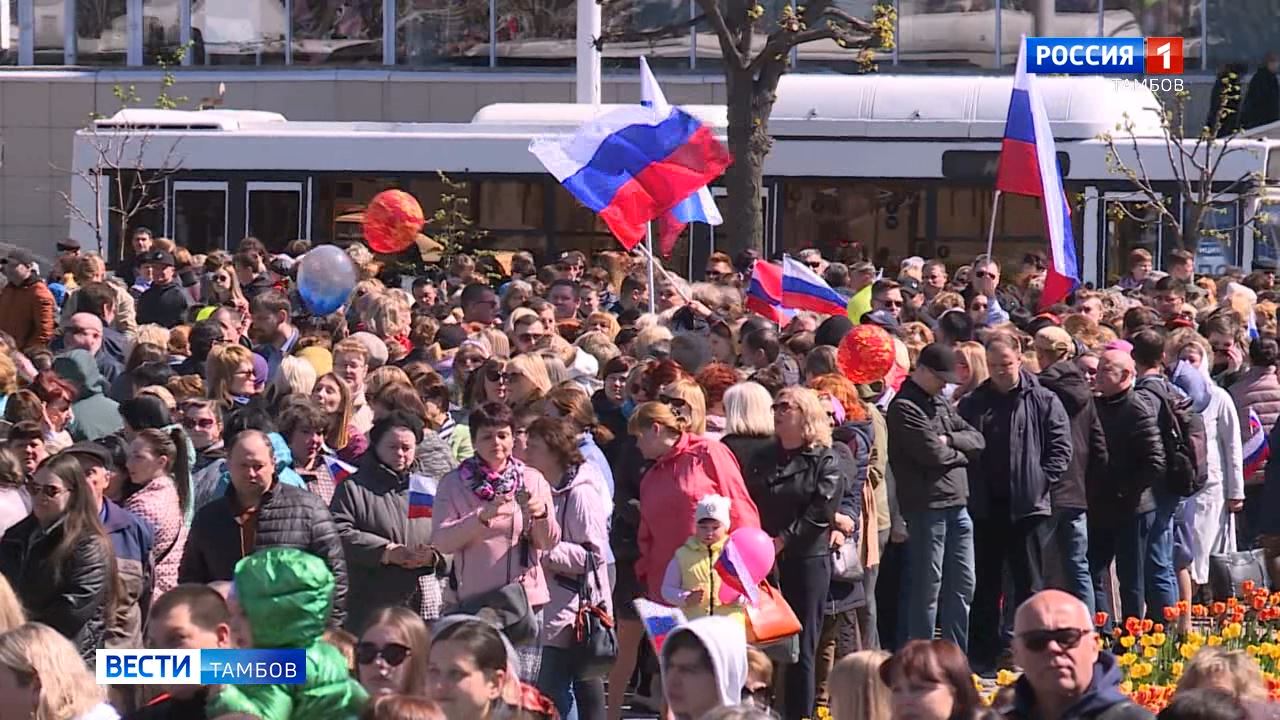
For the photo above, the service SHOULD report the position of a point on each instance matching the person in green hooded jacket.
(94, 414)
(285, 596)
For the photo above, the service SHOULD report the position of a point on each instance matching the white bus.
(884, 165)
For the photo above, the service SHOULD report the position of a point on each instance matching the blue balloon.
(326, 277)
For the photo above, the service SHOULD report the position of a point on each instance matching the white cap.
(712, 507)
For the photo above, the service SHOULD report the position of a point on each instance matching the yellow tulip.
(1157, 639)
(1195, 637)
(1251, 651)
(1005, 678)
(1187, 650)
(1126, 659)
(1232, 631)
(1148, 652)
(1126, 642)
(1176, 669)
(1140, 670)
(1215, 640)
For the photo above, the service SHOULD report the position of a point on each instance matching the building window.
(9, 42)
(442, 32)
(631, 24)
(102, 32)
(238, 32)
(346, 33)
(161, 31)
(535, 32)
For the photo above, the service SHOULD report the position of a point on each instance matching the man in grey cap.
(930, 448)
(164, 303)
(29, 307)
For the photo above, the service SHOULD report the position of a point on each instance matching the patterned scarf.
(487, 483)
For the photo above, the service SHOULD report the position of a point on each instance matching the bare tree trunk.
(750, 103)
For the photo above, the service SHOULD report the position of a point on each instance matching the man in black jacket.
(257, 513)
(1122, 508)
(930, 446)
(1028, 448)
(164, 303)
(1055, 350)
(1262, 100)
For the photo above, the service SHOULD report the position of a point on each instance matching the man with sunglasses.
(1065, 676)
(188, 617)
(985, 281)
(886, 295)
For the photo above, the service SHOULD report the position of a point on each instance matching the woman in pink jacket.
(584, 538)
(686, 468)
(493, 515)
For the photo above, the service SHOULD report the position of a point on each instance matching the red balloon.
(866, 354)
(392, 220)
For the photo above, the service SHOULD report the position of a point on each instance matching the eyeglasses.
(49, 491)
(1038, 640)
(985, 274)
(782, 407)
(815, 264)
(197, 423)
(673, 402)
(393, 653)
(892, 303)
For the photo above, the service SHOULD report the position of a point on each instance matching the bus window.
(1213, 254)
(275, 213)
(199, 220)
(1266, 237)
(1127, 225)
(839, 218)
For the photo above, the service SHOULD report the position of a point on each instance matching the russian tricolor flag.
(422, 496)
(732, 569)
(1029, 166)
(698, 207)
(659, 621)
(764, 293)
(632, 165)
(803, 289)
(338, 469)
(1256, 448)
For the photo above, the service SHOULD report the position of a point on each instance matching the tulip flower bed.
(1152, 655)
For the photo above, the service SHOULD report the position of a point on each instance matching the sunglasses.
(499, 377)
(674, 403)
(200, 424)
(49, 491)
(781, 407)
(892, 303)
(393, 653)
(985, 274)
(814, 265)
(1067, 638)
(530, 337)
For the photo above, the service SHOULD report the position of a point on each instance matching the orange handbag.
(772, 619)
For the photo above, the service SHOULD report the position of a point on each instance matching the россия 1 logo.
(1159, 56)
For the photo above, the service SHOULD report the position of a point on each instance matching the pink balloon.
(755, 548)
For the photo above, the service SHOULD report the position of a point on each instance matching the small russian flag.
(804, 289)
(338, 469)
(733, 571)
(422, 496)
(659, 621)
(1256, 448)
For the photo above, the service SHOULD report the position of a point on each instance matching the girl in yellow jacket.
(691, 582)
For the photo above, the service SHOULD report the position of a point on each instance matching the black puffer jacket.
(76, 604)
(1135, 458)
(1039, 445)
(799, 500)
(163, 304)
(1088, 443)
(371, 510)
(287, 516)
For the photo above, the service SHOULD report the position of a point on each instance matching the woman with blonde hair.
(294, 377)
(1230, 670)
(157, 335)
(602, 322)
(971, 368)
(528, 380)
(798, 504)
(11, 613)
(45, 678)
(686, 398)
(230, 376)
(382, 377)
(857, 692)
(391, 656)
(748, 429)
(916, 335)
(333, 395)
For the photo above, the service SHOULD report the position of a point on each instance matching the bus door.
(196, 215)
(276, 213)
(1127, 224)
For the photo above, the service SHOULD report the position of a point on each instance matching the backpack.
(1186, 446)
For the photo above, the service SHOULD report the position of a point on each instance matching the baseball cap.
(68, 244)
(941, 359)
(157, 257)
(910, 286)
(1055, 340)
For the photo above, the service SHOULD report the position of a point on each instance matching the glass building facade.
(933, 35)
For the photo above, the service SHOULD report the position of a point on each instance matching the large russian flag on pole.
(632, 165)
(1029, 166)
(698, 207)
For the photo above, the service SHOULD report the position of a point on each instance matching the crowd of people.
(448, 489)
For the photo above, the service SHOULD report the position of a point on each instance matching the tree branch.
(650, 36)
(732, 57)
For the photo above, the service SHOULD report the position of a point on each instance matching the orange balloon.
(392, 221)
(866, 354)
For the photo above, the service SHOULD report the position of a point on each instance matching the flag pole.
(991, 233)
(648, 250)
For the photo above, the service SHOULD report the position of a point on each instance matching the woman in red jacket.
(686, 467)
